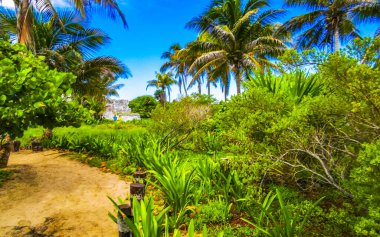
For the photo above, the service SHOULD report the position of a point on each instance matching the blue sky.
(154, 25)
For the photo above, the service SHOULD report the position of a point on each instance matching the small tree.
(32, 94)
(143, 105)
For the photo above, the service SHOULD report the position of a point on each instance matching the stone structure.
(120, 109)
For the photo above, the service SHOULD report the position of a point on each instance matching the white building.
(120, 109)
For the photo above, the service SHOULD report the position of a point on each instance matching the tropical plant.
(296, 85)
(145, 223)
(177, 64)
(329, 22)
(175, 181)
(245, 43)
(97, 77)
(68, 45)
(163, 82)
(148, 224)
(24, 17)
(32, 93)
(285, 225)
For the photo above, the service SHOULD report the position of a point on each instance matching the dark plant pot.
(36, 146)
(137, 190)
(124, 231)
(139, 176)
(16, 146)
(5, 151)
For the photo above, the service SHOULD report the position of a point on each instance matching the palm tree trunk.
(184, 83)
(199, 86)
(22, 13)
(163, 95)
(209, 87)
(336, 39)
(238, 80)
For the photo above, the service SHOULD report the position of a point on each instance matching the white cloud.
(7, 3)
(56, 3)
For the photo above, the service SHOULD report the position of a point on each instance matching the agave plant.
(297, 84)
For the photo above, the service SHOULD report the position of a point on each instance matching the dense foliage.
(295, 153)
(32, 94)
(310, 138)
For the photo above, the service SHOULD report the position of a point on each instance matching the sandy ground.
(51, 195)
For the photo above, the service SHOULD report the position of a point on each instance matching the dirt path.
(51, 195)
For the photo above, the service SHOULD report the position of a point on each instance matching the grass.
(5, 175)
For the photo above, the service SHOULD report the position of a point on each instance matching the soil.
(52, 195)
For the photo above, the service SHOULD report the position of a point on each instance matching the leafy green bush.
(177, 121)
(215, 212)
(143, 105)
(366, 186)
(32, 94)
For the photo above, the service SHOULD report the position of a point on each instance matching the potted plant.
(36, 145)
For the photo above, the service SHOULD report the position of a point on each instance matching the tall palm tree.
(24, 17)
(163, 82)
(328, 23)
(248, 44)
(176, 64)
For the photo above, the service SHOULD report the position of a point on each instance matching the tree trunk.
(163, 96)
(199, 86)
(22, 15)
(238, 80)
(209, 87)
(336, 39)
(184, 83)
(5, 151)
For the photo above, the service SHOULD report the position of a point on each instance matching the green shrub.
(215, 212)
(366, 187)
(143, 105)
(32, 94)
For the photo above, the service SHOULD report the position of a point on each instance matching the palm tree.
(328, 23)
(368, 13)
(70, 49)
(61, 46)
(177, 64)
(163, 82)
(229, 12)
(97, 77)
(248, 44)
(24, 16)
